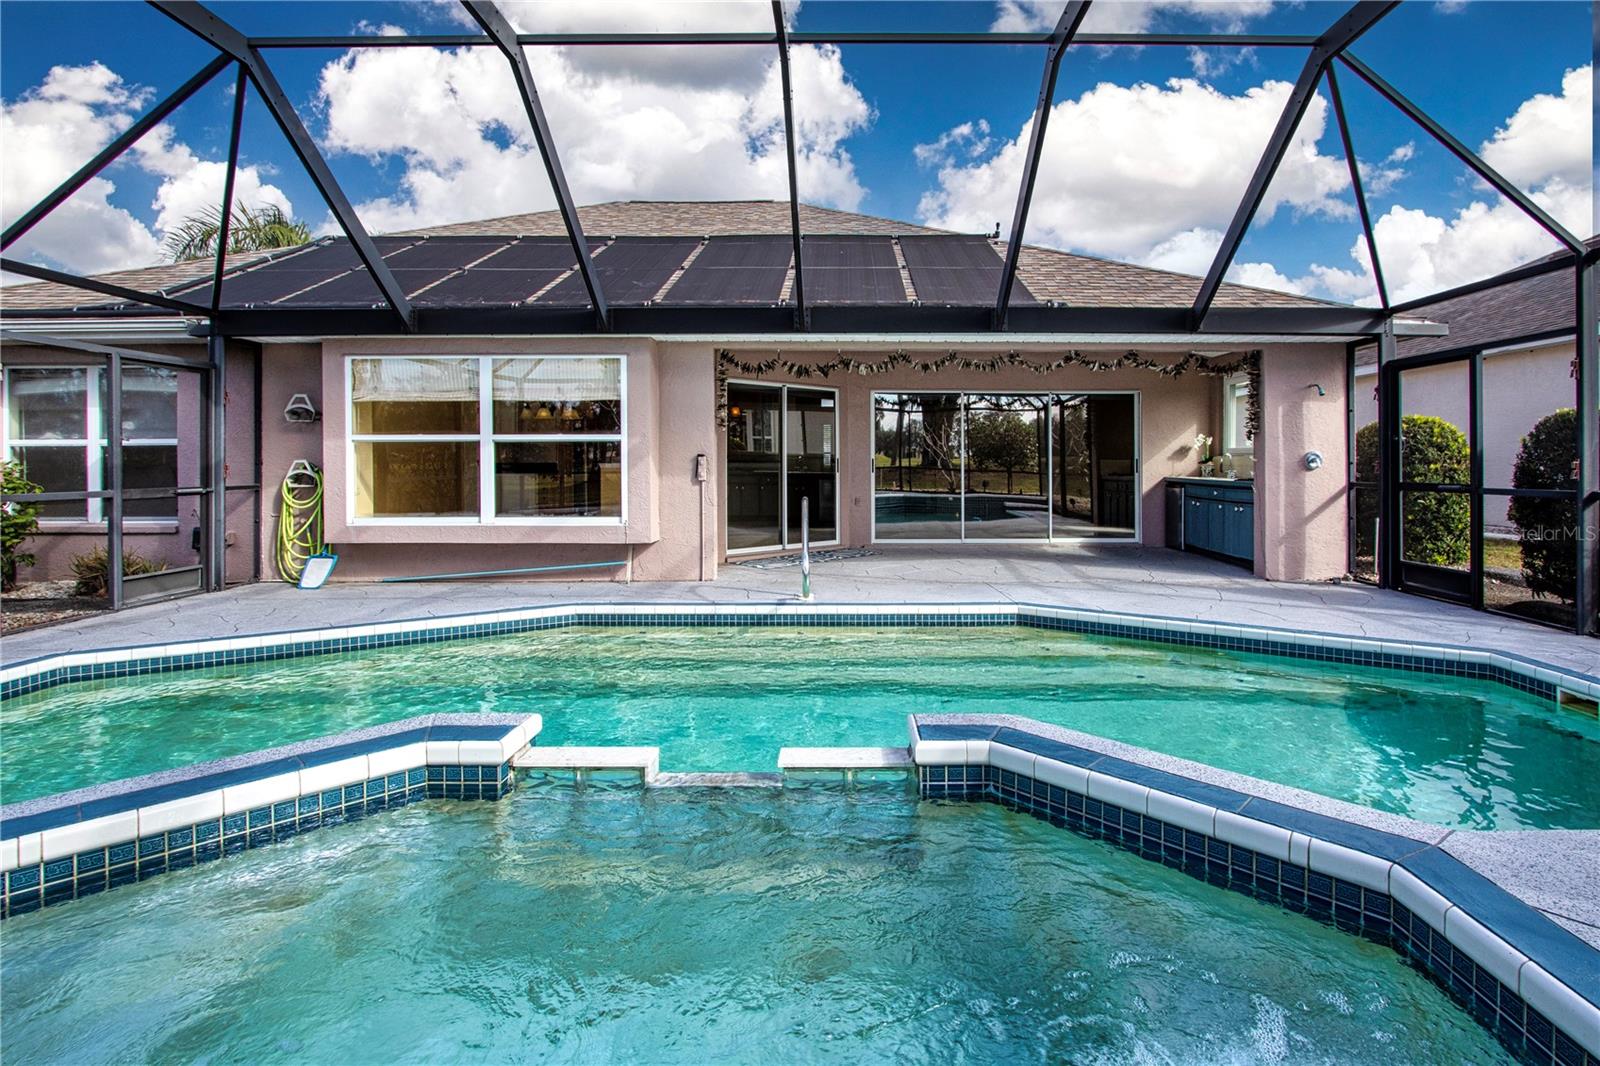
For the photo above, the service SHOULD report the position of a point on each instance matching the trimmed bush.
(90, 570)
(18, 522)
(1547, 529)
(1437, 526)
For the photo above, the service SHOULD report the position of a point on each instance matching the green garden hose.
(299, 520)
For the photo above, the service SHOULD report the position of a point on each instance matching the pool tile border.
(1532, 983)
(80, 843)
(1525, 674)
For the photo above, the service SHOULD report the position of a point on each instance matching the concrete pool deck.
(1135, 580)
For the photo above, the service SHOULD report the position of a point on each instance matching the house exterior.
(641, 456)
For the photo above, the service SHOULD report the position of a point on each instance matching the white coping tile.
(1424, 902)
(479, 752)
(1062, 775)
(393, 760)
(444, 753)
(530, 728)
(66, 840)
(28, 849)
(1005, 757)
(334, 774)
(1124, 794)
(180, 812)
(1249, 833)
(977, 752)
(940, 752)
(1484, 947)
(8, 854)
(252, 794)
(911, 729)
(1299, 849)
(1185, 813)
(1348, 864)
(1563, 1006)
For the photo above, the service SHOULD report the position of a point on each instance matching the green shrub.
(1547, 529)
(18, 522)
(90, 570)
(1437, 525)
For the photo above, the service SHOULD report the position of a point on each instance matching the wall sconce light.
(1313, 460)
(300, 409)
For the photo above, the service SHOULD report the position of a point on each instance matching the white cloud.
(1134, 172)
(1125, 16)
(970, 140)
(55, 127)
(1543, 148)
(658, 123)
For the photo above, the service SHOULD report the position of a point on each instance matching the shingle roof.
(1048, 275)
(1518, 309)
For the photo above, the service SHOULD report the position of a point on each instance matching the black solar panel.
(266, 284)
(536, 253)
(957, 270)
(631, 271)
(452, 253)
(484, 286)
(735, 270)
(357, 289)
(852, 270)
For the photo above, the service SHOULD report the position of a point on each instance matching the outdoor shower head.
(1320, 390)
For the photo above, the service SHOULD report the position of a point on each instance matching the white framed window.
(487, 440)
(55, 427)
(1236, 415)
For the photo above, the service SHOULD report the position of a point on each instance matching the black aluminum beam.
(1066, 27)
(778, 320)
(106, 288)
(104, 351)
(495, 25)
(225, 219)
(582, 40)
(1587, 322)
(800, 310)
(1356, 185)
(111, 151)
(1356, 21)
(200, 21)
(1463, 153)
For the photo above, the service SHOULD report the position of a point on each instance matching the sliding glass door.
(782, 446)
(1015, 466)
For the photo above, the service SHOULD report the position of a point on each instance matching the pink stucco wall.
(675, 529)
(168, 541)
(1519, 388)
(1301, 514)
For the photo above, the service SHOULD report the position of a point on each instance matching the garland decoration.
(727, 363)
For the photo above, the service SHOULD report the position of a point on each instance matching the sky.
(1146, 155)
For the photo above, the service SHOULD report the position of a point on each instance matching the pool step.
(580, 761)
(844, 760)
(736, 779)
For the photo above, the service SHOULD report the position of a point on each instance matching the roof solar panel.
(735, 270)
(266, 284)
(957, 270)
(631, 270)
(357, 289)
(852, 270)
(482, 285)
(446, 252)
(535, 253)
(866, 252)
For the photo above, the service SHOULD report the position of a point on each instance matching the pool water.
(1446, 750)
(693, 927)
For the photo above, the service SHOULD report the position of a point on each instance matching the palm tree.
(252, 229)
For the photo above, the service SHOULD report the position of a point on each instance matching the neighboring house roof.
(1521, 309)
(933, 266)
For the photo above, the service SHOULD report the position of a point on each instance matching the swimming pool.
(691, 926)
(1444, 749)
